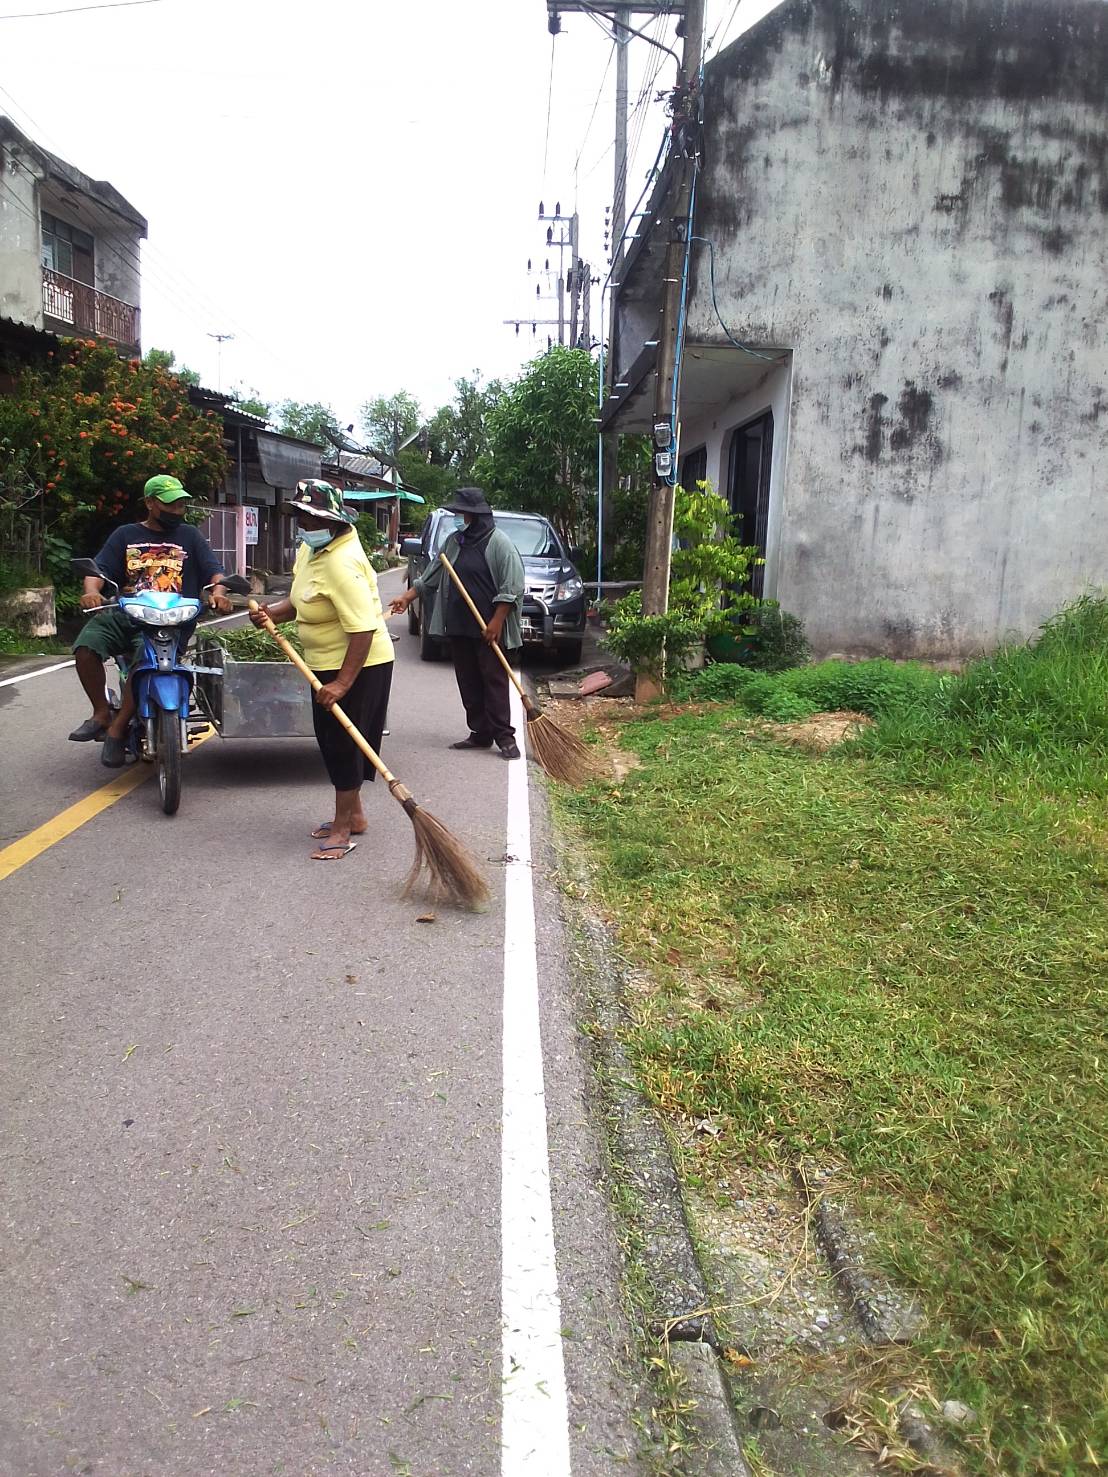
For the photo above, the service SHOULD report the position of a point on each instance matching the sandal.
(340, 849)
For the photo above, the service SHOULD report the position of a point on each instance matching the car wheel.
(570, 654)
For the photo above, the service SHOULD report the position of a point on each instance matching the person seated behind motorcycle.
(139, 556)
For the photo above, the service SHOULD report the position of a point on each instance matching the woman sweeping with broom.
(342, 628)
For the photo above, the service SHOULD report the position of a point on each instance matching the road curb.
(676, 1321)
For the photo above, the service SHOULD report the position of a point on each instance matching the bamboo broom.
(451, 871)
(560, 753)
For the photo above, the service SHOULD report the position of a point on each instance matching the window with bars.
(67, 249)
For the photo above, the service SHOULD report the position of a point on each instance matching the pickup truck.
(554, 596)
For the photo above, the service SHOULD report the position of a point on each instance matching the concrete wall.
(117, 263)
(20, 238)
(915, 198)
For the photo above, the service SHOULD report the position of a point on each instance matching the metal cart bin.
(254, 699)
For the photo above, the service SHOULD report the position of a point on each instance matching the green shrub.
(873, 688)
(776, 640)
(1039, 706)
(718, 683)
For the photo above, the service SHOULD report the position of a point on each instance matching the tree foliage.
(309, 420)
(541, 453)
(458, 433)
(390, 420)
(250, 401)
(90, 428)
(167, 359)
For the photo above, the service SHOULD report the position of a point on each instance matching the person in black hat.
(489, 566)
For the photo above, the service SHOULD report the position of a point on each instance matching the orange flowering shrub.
(91, 428)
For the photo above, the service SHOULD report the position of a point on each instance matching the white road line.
(41, 672)
(535, 1419)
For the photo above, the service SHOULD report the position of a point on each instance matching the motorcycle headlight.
(150, 615)
(569, 588)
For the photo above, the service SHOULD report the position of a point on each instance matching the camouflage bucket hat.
(319, 500)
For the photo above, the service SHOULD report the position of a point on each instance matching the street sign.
(250, 523)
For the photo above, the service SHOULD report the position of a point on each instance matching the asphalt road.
(251, 1126)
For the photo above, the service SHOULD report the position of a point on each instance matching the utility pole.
(659, 519)
(621, 15)
(619, 184)
(569, 281)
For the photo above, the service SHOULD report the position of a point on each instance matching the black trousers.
(366, 705)
(483, 684)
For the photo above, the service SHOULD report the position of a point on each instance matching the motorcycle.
(163, 682)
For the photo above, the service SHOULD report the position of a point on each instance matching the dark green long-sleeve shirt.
(506, 568)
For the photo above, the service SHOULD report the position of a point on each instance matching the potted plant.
(708, 570)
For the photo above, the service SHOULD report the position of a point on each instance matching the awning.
(372, 495)
(285, 463)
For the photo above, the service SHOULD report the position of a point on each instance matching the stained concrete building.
(69, 247)
(899, 375)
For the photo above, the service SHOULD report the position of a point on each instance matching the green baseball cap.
(165, 488)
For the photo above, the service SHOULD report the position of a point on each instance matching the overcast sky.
(351, 189)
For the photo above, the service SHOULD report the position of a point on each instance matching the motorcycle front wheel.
(168, 753)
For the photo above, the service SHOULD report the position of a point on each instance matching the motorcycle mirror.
(236, 584)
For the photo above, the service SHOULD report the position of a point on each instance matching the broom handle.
(476, 614)
(298, 661)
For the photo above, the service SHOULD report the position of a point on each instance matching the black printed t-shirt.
(138, 558)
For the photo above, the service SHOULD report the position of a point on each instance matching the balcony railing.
(76, 303)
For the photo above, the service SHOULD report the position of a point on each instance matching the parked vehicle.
(163, 681)
(554, 598)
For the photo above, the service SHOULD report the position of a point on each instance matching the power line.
(549, 103)
(34, 15)
(722, 27)
(596, 104)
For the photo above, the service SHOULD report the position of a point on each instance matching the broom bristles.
(452, 873)
(560, 753)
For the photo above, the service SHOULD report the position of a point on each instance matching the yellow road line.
(20, 852)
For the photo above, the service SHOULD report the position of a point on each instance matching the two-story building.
(895, 365)
(69, 247)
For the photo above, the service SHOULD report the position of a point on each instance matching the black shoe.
(510, 751)
(473, 742)
(114, 754)
(89, 731)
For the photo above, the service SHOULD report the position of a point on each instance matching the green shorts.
(110, 633)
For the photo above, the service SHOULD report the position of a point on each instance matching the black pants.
(366, 705)
(483, 684)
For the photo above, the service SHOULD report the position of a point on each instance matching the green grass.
(896, 957)
(17, 643)
(246, 644)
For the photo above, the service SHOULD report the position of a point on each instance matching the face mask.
(459, 523)
(316, 538)
(169, 520)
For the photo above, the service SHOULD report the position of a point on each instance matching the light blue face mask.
(459, 522)
(316, 538)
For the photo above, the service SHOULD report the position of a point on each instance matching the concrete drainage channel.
(720, 1403)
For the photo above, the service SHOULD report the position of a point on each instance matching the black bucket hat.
(468, 500)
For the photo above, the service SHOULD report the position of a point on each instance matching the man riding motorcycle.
(162, 552)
